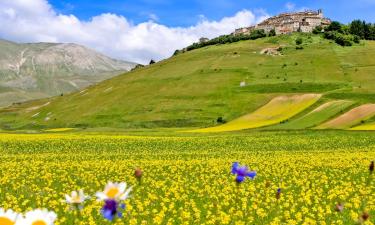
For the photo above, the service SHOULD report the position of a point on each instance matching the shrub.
(344, 40)
(220, 120)
(299, 41)
(318, 30)
(272, 33)
(356, 39)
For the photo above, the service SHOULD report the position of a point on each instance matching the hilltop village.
(287, 23)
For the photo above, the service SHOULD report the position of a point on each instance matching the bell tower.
(320, 13)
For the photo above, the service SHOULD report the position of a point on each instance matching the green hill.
(194, 89)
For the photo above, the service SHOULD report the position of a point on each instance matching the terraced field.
(277, 110)
(353, 117)
(370, 126)
(316, 117)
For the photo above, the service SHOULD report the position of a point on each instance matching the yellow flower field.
(277, 110)
(187, 179)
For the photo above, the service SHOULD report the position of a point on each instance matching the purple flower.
(242, 172)
(109, 209)
(278, 193)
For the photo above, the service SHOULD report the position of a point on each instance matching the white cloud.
(153, 17)
(111, 34)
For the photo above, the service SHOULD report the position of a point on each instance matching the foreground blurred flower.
(8, 217)
(138, 173)
(339, 207)
(363, 218)
(278, 193)
(38, 217)
(76, 197)
(114, 191)
(112, 209)
(372, 167)
(242, 172)
(112, 195)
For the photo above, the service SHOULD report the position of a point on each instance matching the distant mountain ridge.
(35, 70)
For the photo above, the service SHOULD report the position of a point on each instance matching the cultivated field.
(188, 180)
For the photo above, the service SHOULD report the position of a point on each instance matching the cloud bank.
(111, 34)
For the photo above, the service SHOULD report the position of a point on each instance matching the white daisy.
(38, 217)
(76, 197)
(8, 217)
(116, 191)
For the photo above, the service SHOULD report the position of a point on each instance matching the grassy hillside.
(194, 89)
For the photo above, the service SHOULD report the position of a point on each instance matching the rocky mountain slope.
(30, 71)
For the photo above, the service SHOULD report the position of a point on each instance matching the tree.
(334, 26)
(272, 33)
(257, 34)
(372, 32)
(367, 30)
(357, 28)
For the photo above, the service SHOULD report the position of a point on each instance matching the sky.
(141, 30)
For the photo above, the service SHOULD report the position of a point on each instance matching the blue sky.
(186, 13)
(140, 30)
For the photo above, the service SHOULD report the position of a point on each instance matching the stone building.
(289, 22)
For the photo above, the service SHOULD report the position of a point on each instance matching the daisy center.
(111, 193)
(76, 199)
(6, 221)
(39, 222)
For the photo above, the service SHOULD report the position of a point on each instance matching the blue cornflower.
(242, 172)
(111, 209)
(278, 193)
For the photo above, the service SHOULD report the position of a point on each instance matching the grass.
(194, 89)
(276, 111)
(317, 116)
(60, 129)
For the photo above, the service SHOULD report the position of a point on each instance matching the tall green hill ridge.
(268, 83)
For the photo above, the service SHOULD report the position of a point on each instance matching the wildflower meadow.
(250, 178)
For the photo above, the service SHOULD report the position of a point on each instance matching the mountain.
(214, 84)
(30, 71)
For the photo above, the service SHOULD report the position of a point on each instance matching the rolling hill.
(39, 70)
(196, 88)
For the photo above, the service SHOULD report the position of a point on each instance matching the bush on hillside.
(299, 41)
(318, 30)
(334, 26)
(220, 120)
(272, 33)
(339, 38)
